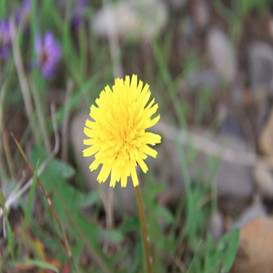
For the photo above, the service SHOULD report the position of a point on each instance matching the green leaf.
(38, 263)
(113, 236)
(231, 240)
(28, 208)
(63, 169)
(164, 213)
(86, 200)
(9, 230)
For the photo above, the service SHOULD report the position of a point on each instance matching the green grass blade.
(37, 263)
(3, 8)
(195, 257)
(9, 231)
(28, 208)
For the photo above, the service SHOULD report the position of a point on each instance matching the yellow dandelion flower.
(117, 134)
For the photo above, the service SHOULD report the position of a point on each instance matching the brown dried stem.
(145, 237)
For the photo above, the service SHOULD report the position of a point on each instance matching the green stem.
(148, 257)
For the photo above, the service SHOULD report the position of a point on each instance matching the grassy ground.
(31, 238)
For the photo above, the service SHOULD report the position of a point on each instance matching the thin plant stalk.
(20, 71)
(66, 120)
(49, 201)
(145, 237)
(40, 115)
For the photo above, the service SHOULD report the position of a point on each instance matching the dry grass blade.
(20, 70)
(17, 192)
(65, 121)
(49, 201)
(88, 246)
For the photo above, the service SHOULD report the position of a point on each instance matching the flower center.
(3, 38)
(44, 57)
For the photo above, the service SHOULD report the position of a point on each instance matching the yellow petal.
(151, 138)
(152, 122)
(149, 151)
(134, 177)
(95, 164)
(90, 151)
(89, 141)
(89, 123)
(104, 173)
(88, 132)
(142, 165)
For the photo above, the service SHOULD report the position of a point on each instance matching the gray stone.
(252, 212)
(222, 54)
(205, 78)
(216, 226)
(201, 14)
(135, 20)
(187, 28)
(264, 180)
(178, 4)
(167, 168)
(230, 126)
(234, 182)
(260, 59)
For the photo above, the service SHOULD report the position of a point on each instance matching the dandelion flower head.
(117, 136)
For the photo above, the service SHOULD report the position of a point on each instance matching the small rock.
(230, 126)
(201, 14)
(237, 95)
(216, 226)
(222, 54)
(135, 20)
(249, 214)
(260, 58)
(270, 26)
(178, 4)
(168, 170)
(266, 138)
(264, 181)
(205, 78)
(234, 182)
(255, 250)
(187, 28)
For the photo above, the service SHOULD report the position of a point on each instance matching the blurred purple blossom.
(48, 54)
(77, 12)
(23, 14)
(5, 38)
(77, 17)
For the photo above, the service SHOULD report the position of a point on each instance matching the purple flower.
(5, 39)
(77, 13)
(23, 14)
(48, 54)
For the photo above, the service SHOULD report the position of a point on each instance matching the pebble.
(260, 59)
(255, 249)
(178, 4)
(222, 54)
(264, 181)
(234, 182)
(201, 14)
(204, 78)
(135, 20)
(252, 212)
(216, 226)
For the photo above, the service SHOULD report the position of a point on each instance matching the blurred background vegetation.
(204, 63)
